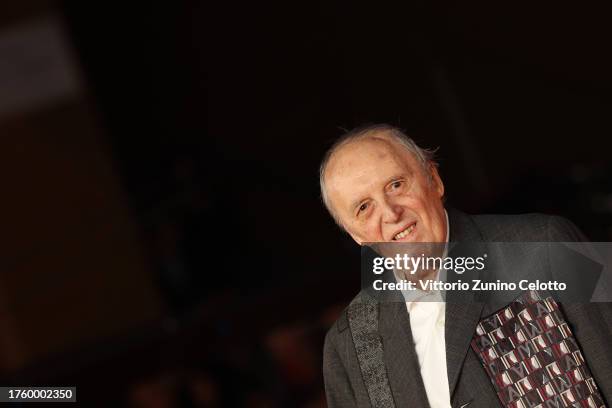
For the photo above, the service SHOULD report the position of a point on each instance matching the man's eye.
(396, 184)
(363, 207)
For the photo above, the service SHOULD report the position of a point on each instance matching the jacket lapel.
(461, 321)
(400, 357)
(462, 312)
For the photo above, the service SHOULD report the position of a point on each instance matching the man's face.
(382, 193)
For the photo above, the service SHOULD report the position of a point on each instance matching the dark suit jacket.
(469, 384)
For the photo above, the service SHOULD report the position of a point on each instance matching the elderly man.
(379, 186)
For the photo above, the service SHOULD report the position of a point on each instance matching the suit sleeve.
(337, 384)
(591, 322)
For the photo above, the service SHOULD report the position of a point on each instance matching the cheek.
(425, 206)
(414, 204)
(437, 221)
(423, 196)
(369, 231)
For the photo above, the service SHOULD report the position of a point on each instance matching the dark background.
(214, 118)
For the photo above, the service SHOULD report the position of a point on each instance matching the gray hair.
(425, 157)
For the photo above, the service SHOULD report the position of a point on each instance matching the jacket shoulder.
(340, 326)
(526, 227)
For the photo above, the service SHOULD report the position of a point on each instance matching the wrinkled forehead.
(368, 154)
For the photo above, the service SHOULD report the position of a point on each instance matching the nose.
(392, 213)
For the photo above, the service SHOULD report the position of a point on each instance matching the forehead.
(362, 151)
(363, 164)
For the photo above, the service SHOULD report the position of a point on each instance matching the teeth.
(404, 232)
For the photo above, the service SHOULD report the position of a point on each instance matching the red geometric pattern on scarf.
(532, 357)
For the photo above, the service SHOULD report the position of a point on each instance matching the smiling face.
(380, 192)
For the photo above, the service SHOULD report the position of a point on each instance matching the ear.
(437, 183)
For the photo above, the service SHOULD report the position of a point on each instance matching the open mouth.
(405, 232)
